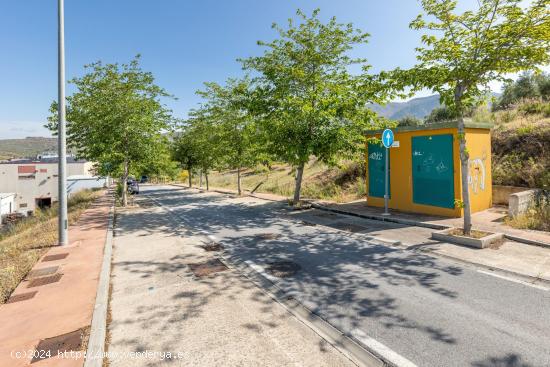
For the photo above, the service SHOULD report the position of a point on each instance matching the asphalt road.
(419, 309)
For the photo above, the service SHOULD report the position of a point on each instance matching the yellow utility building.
(424, 169)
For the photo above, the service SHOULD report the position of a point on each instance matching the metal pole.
(63, 223)
(387, 181)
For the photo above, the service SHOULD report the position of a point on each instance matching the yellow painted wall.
(478, 142)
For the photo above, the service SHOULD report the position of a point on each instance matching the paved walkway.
(489, 220)
(159, 307)
(63, 306)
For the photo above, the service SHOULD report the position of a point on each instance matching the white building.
(7, 203)
(34, 181)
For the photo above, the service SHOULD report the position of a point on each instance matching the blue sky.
(183, 42)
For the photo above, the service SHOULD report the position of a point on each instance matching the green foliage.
(528, 86)
(410, 121)
(463, 52)
(307, 102)
(440, 114)
(115, 117)
(227, 110)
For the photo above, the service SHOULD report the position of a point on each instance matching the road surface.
(416, 309)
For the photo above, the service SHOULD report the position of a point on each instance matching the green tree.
(186, 150)
(116, 117)
(527, 86)
(440, 114)
(463, 52)
(410, 121)
(308, 102)
(207, 144)
(227, 108)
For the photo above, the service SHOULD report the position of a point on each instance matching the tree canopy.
(308, 102)
(116, 117)
(462, 53)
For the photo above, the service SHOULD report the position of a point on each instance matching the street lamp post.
(63, 225)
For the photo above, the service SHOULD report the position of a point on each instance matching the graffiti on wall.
(376, 156)
(477, 173)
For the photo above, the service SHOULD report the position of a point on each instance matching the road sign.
(387, 138)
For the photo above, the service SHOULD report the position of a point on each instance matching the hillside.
(520, 147)
(417, 107)
(27, 147)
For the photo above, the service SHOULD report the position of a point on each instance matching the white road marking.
(259, 269)
(381, 349)
(514, 280)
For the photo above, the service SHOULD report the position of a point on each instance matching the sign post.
(387, 140)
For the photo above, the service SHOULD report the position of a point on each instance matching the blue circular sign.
(387, 138)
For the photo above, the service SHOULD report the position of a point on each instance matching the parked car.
(144, 179)
(133, 186)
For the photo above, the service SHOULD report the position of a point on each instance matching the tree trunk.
(190, 176)
(239, 180)
(464, 162)
(298, 187)
(200, 178)
(125, 184)
(206, 178)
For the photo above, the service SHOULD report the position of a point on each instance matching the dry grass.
(21, 246)
(535, 218)
(340, 184)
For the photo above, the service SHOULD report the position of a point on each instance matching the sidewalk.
(489, 220)
(413, 231)
(214, 317)
(58, 296)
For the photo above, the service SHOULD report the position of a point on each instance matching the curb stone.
(347, 345)
(96, 343)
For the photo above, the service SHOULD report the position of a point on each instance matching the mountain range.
(418, 107)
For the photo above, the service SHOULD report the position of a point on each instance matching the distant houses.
(28, 184)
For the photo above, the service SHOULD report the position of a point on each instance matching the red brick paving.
(64, 306)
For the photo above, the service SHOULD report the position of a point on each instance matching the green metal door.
(377, 170)
(433, 171)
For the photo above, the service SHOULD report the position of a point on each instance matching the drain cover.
(283, 269)
(267, 236)
(21, 297)
(212, 246)
(350, 227)
(50, 347)
(44, 280)
(41, 272)
(207, 268)
(55, 257)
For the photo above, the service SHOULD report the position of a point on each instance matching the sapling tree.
(232, 125)
(116, 117)
(307, 101)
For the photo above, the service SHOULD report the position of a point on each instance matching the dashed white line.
(514, 280)
(381, 349)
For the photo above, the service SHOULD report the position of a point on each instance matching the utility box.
(424, 169)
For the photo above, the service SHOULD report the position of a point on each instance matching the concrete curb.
(524, 277)
(423, 224)
(98, 332)
(347, 345)
(352, 349)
